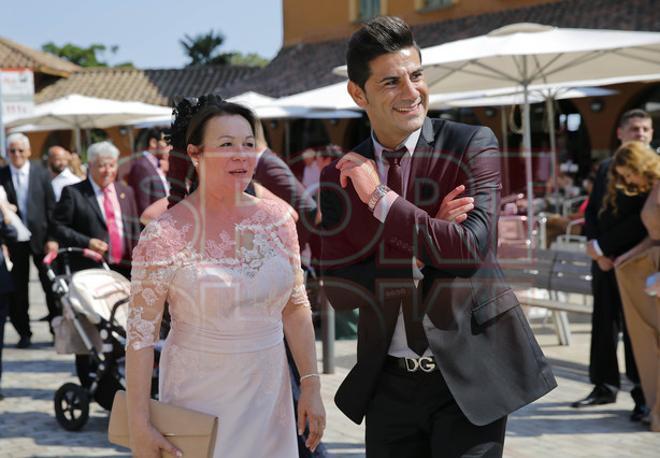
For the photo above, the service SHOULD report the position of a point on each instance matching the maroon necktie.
(415, 336)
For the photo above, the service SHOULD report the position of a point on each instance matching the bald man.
(61, 174)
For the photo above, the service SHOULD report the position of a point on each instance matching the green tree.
(84, 57)
(250, 60)
(202, 49)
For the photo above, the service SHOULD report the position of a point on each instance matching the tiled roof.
(14, 55)
(307, 66)
(157, 86)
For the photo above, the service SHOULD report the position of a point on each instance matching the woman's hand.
(311, 410)
(147, 442)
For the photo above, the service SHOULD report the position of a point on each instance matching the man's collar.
(97, 189)
(24, 169)
(409, 143)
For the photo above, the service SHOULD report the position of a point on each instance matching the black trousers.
(4, 311)
(607, 322)
(18, 311)
(413, 415)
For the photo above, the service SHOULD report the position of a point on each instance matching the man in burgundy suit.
(100, 213)
(445, 352)
(146, 177)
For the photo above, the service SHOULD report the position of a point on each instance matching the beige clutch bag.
(191, 432)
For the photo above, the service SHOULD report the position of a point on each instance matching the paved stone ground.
(546, 428)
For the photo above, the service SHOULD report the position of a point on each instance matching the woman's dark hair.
(156, 133)
(190, 116)
(378, 36)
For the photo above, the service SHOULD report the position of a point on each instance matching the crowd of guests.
(67, 204)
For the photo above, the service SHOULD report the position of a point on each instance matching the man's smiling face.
(395, 95)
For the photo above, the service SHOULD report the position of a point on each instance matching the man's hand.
(453, 209)
(605, 264)
(361, 171)
(591, 250)
(51, 246)
(98, 245)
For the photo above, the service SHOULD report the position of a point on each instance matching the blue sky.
(146, 31)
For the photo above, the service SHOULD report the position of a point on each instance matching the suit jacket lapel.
(91, 198)
(125, 214)
(422, 159)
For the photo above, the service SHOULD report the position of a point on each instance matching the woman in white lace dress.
(227, 265)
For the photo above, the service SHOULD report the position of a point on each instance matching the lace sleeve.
(289, 237)
(152, 270)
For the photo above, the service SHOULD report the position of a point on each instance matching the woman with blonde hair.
(635, 169)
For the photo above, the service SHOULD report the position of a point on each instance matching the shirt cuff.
(599, 252)
(383, 206)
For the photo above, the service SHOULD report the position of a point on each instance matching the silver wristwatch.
(378, 194)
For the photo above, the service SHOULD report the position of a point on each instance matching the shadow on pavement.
(34, 393)
(535, 424)
(38, 365)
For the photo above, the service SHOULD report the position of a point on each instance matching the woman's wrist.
(310, 380)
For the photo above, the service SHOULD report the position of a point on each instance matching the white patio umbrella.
(335, 97)
(78, 112)
(520, 55)
(538, 94)
(526, 54)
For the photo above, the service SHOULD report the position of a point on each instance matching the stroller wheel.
(71, 406)
(107, 385)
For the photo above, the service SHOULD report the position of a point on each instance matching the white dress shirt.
(98, 192)
(311, 176)
(21, 180)
(399, 344)
(65, 178)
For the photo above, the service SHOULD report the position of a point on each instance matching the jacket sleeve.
(459, 249)
(595, 202)
(64, 218)
(49, 205)
(280, 180)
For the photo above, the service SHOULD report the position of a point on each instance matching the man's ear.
(357, 94)
(618, 133)
(193, 151)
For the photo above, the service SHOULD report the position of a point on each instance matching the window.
(433, 4)
(368, 9)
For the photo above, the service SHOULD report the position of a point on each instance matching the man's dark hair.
(634, 113)
(378, 36)
(156, 133)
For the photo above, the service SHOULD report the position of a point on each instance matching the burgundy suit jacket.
(472, 319)
(147, 186)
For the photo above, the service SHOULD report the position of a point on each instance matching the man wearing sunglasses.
(28, 188)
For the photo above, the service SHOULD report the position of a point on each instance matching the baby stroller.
(94, 304)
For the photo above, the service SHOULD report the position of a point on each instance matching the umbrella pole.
(527, 153)
(505, 149)
(287, 140)
(550, 112)
(76, 133)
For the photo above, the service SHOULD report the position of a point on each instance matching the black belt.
(424, 364)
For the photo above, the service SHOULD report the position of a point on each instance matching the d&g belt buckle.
(425, 363)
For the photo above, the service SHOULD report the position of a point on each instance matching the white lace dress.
(225, 353)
